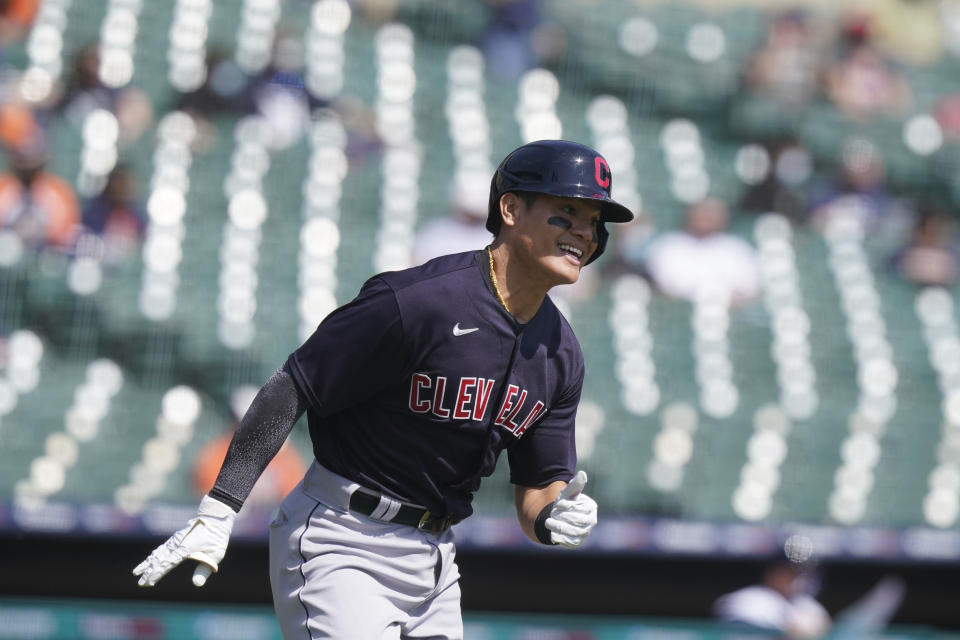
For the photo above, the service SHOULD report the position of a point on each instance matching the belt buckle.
(432, 525)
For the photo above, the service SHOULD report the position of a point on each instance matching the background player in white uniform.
(412, 391)
(783, 601)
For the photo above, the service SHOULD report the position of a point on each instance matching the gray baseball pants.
(341, 574)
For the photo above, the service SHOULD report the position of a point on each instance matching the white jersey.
(681, 265)
(759, 606)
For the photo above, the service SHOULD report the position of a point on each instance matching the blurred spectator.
(858, 188)
(225, 89)
(782, 602)
(949, 21)
(463, 229)
(278, 93)
(508, 39)
(85, 92)
(115, 214)
(377, 12)
(360, 121)
(947, 113)
(627, 245)
(871, 613)
(786, 67)
(861, 82)
(19, 126)
(40, 206)
(280, 477)
(780, 183)
(921, 44)
(704, 256)
(931, 257)
(16, 16)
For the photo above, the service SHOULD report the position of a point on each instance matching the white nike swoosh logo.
(457, 331)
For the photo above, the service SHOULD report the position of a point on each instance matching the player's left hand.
(574, 514)
(204, 539)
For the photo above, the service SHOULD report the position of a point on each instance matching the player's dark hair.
(529, 197)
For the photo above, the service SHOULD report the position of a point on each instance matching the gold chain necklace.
(493, 278)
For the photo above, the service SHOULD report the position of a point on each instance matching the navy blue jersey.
(417, 385)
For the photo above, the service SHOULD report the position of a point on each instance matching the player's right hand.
(204, 539)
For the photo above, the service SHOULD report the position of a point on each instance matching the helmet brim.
(613, 211)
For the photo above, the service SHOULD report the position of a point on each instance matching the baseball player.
(412, 391)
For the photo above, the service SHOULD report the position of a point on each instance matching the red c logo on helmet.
(601, 172)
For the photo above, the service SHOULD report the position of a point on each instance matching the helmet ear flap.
(602, 236)
(493, 208)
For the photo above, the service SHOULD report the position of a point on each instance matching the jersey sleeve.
(549, 451)
(355, 352)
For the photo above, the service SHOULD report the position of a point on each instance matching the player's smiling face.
(556, 235)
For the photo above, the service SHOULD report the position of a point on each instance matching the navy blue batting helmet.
(557, 168)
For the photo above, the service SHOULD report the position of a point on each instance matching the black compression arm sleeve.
(258, 438)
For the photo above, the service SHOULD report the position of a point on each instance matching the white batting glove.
(574, 514)
(204, 539)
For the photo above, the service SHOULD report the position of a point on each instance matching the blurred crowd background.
(188, 187)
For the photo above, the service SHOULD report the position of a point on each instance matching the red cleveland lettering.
(512, 391)
(485, 386)
(438, 408)
(516, 410)
(463, 397)
(471, 401)
(534, 414)
(417, 382)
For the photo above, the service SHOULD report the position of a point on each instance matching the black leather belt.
(366, 502)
